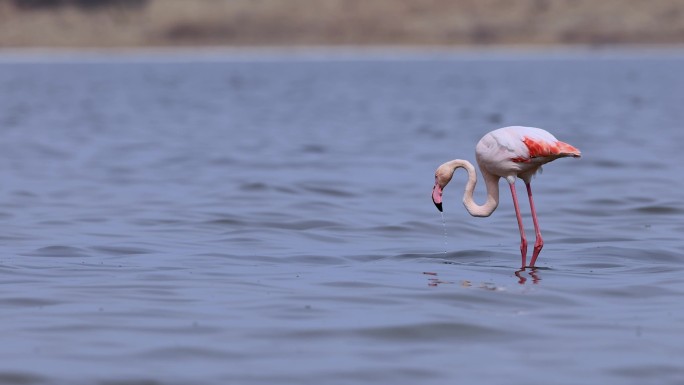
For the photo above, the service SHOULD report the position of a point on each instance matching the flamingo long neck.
(492, 183)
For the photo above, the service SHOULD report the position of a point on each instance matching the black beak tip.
(439, 206)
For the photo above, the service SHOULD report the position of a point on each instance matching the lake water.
(265, 218)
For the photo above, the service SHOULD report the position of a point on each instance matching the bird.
(509, 152)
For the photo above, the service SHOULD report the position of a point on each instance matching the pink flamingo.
(508, 152)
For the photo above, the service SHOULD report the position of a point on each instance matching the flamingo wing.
(543, 149)
(529, 143)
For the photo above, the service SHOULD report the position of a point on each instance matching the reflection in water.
(532, 273)
(434, 281)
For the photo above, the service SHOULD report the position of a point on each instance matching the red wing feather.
(565, 148)
(540, 148)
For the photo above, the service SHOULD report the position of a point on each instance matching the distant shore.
(278, 23)
(260, 54)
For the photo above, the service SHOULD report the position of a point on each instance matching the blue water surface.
(265, 218)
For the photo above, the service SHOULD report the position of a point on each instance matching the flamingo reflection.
(532, 273)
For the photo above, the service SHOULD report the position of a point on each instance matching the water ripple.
(20, 378)
(438, 331)
(59, 251)
(121, 250)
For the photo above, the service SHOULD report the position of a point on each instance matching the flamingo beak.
(437, 196)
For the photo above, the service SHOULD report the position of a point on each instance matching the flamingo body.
(510, 153)
(518, 151)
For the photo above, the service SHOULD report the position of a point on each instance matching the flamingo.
(508, 153)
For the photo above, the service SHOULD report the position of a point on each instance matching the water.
(266, 219)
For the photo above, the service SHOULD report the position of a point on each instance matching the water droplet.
(446, 245)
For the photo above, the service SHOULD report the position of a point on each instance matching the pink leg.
(538, 242)
(523, 240)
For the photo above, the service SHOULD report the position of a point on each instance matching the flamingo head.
(443, 176)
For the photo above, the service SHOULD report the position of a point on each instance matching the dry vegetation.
(117, 23)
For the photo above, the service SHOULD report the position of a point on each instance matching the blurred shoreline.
(456, 24)
(332, 53)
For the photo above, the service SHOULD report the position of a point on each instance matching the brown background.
(132, 23)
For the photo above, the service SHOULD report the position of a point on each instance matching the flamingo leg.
(538, 242)
(523, 240)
